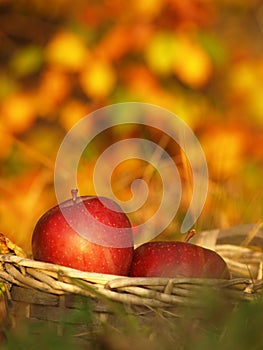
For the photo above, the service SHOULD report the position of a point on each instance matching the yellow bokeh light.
(67, 50)
(191, 64)
(18, 112)
(98, 79)
(71, 113)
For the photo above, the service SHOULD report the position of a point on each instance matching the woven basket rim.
(245, 264)
(145, 291)
(106, 278)
(60, 269)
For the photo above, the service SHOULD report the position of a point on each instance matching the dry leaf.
(8, 247)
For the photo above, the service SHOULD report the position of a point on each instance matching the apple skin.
(177, 259)
(55, 241)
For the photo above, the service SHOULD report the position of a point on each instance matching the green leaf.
(160, 53)
(27, 61)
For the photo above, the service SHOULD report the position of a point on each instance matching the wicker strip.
(152, 292)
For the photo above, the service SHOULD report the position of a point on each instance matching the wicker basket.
(43, 292)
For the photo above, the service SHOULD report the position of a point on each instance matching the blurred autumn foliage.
(60, 60)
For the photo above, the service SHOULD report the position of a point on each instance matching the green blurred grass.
(218, 325)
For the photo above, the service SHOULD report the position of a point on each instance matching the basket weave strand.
(154, 292)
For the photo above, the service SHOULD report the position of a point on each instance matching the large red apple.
(87, 233)
(177, 259)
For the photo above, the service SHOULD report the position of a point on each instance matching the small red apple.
(88, 233)
(177, 259)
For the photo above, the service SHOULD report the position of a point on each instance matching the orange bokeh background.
(201, 59)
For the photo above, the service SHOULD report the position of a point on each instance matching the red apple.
(88, 233)
(177, 259)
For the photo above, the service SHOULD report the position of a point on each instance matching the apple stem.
(74, 194)
(189, 235)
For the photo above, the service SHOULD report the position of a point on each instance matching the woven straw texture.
(44, 291)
